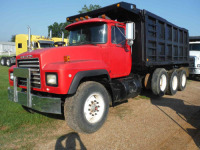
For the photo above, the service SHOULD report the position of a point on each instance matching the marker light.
(103, 16)
(118, 5)
(77, 19)
(66, 58)
(81, 18)
(87, 17)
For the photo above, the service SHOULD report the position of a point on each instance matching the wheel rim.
(183, 80)
(174, 83)
(8, 62)
(94, 108)
(2, 62)
(163, 82)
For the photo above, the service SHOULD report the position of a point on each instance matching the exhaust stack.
(50, 34)
(29, 39)
(62, 36)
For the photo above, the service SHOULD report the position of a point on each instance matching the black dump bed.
(194, 38)
(158, 42)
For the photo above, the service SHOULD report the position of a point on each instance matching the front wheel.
(87, 110)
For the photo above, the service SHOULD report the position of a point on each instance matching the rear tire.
(3, 61)
(182, 77)
(8, 61)
(159, 82)
(87, 110)
(172, 82)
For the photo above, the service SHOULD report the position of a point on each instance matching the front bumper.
(194, 70)
(39, 103)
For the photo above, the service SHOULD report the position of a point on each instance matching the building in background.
(7, 48)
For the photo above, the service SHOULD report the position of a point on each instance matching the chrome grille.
(34, 66)
(192, 61)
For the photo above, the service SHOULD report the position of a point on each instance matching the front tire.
(87, 110)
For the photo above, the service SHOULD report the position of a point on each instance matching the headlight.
(11, 76)
(52, 79)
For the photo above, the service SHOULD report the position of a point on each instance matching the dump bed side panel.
(165, 43)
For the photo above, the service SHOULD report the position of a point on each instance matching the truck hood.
(195, 53)
(56, 54)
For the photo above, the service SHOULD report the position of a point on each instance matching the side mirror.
(130, 32)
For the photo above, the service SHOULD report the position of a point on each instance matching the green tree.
(13, 38)
(58, 28)
(90, 8)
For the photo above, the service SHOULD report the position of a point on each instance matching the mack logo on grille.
(26, 57)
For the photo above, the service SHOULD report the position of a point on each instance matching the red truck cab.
(94, 44)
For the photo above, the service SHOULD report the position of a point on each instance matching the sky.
(16, 15)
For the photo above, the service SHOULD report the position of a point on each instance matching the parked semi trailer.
(36, 42)
(194, 47)
(113, 52)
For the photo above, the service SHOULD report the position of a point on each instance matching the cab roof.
(91, 21)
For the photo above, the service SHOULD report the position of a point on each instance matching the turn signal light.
(66, 58)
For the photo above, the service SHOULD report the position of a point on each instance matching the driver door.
(119, 55)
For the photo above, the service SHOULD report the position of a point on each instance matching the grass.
(141, 97)
(16, 125)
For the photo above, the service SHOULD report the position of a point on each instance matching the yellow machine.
(26, 42)
(37, 42)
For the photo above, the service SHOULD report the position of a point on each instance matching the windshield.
(92, 33)
(195, 47)
(44, 45)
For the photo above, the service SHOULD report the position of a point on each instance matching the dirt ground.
(148, 122)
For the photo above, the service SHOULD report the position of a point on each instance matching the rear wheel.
(87, 110)
(159, 82)
(172, 82)
(8, 61)
(182, 77)
(3, 61)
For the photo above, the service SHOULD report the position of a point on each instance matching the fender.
(80, 75)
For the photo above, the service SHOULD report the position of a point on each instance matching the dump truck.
(37, 42)
(113, 53)
(194, 48)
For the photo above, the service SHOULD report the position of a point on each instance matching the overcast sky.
(15, 15)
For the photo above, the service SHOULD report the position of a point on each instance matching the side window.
(36, 45)
(117, 35)
(19, 45)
